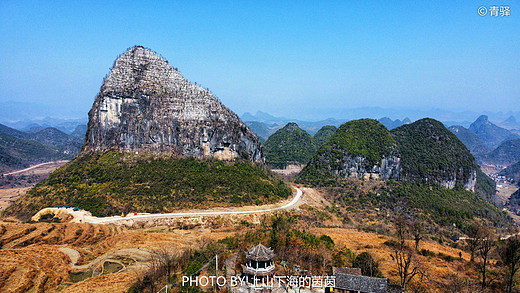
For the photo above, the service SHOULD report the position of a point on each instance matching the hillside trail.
(82, 216)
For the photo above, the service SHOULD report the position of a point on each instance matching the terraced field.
(30, 258)
(73, 257)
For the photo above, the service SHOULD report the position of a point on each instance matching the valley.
(15, 184)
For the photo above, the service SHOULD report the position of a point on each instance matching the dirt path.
(72, 254)
(251, 210)
(82, 216)
(34, 167)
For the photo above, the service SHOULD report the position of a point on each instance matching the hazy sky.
(286, 58)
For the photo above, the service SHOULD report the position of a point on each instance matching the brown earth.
(40, 256)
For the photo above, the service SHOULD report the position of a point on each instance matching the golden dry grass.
(436, 269)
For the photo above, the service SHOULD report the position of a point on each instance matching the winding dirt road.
(146, 217)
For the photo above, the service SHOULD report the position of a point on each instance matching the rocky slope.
(289, 145)
(146, 104)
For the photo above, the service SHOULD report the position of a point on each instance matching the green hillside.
(16, 153)
(105, 183)
(359, 144)
(430, 153)
(505, 154)
(321, 137)
(474, 144)
(512, 172)
(366, 137)
(289, 145)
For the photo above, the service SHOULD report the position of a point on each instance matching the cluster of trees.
(482, 244)
(282, 232)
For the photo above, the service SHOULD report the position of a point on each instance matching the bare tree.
(400, 225)
(509, 252)
(403, 255)
(166, 259)
(486, 242)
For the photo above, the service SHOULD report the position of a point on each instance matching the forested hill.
(430, 153)
(357, 148)
(289, 145)
(323, 135)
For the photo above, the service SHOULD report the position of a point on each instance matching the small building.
(259, 263)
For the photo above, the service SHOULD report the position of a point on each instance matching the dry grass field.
(438, 272)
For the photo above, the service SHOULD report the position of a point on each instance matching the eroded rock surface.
(146, 104)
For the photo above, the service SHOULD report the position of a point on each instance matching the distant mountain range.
(490, 143)
(19, 149)
(491, 134)
(265, 125)
(391, 124)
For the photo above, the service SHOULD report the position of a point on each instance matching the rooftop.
(260, 253)
(361, 283)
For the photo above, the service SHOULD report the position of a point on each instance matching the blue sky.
(296, 58)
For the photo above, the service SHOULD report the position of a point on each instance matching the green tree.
(367, 264)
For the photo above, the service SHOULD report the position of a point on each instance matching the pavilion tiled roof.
(260, 253)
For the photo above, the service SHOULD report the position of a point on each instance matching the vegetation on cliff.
(358, 144)
(289, 145)
(430, 153)
(377, 201)
(106, 183)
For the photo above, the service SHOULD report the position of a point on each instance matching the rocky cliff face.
(146, 104)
